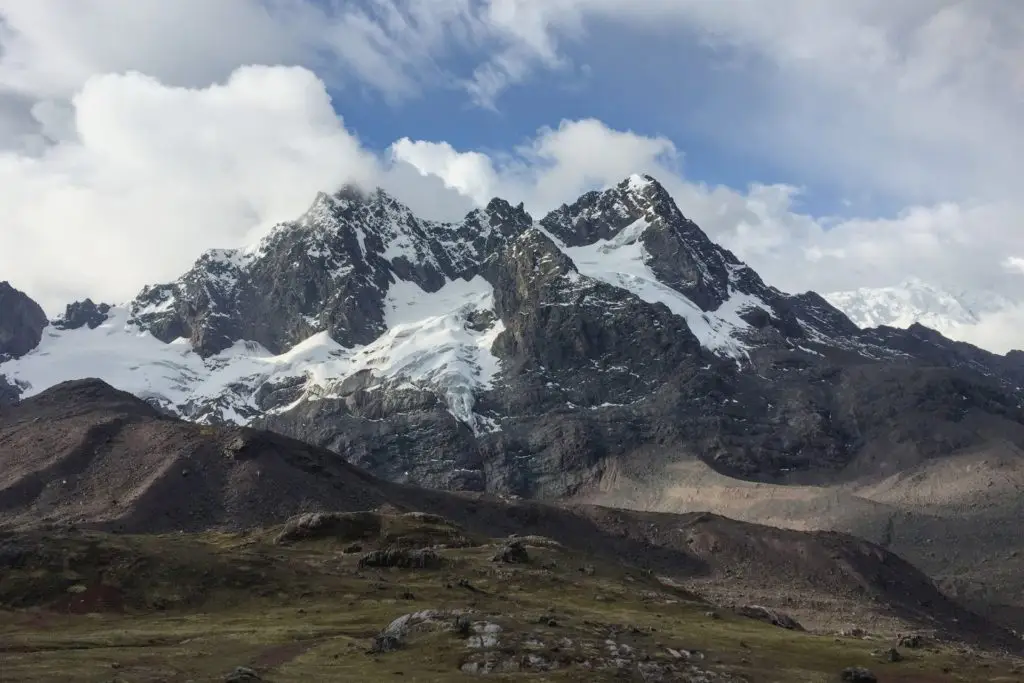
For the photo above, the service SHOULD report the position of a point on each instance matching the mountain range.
(605, 352)
(503, 353)
(914, 301)
(522, 356)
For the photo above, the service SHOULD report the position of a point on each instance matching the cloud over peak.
(123, 155)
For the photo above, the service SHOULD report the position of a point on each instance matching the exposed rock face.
(8, 393)
(858, 674)
(328, 271)
(83, 314)
(594, 377)
(769, 616)
(403, 558)
(680, 254)
(609, 339)
(21, 322)
(512, 552)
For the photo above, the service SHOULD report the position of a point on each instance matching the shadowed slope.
(86, 454)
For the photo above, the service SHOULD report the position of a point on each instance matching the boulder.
(769, 616)
(513, 552)
(857, 674)
(402, 558)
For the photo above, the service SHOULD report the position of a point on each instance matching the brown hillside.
(85, 454)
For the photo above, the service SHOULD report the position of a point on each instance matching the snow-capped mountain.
(360, 285)
(503, 353)
(915, 301)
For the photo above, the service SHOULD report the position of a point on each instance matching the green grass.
(195, 607)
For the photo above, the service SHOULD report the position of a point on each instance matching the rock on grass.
(402, 558)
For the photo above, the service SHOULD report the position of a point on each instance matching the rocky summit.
(522, 356)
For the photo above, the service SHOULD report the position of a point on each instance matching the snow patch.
(914, 301)
(622, 262)
(637, 182)
(429, 346)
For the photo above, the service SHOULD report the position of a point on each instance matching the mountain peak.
(639, 182)
(900, 306)
(503, 209)
(351, 196)
(649, 190)
(496, 353)
(352, 193)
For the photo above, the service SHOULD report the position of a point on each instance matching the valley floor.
(96, 607)
(948, 517)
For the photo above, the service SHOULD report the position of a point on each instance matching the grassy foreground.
(96, 607)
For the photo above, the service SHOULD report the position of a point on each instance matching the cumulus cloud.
(49, 49)
(998, 331)
(156, 174)
(1014, 264)
(126, 157)
(961, 247)
(145, 176)
(918, 101)
(556, 166)
(149, 175)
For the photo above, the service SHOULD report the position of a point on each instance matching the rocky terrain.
(169, 536)
(85, 455)
(433, 604)
(22, 322)
(602, 353)
(949, 516)
(529, 357)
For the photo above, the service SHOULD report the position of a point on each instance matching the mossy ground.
(95, 607)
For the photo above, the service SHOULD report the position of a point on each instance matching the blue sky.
(671, 85)
(832, 145)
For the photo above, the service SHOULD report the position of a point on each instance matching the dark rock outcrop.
(242, 674)
(328, 271)
(9, 393)
(595, 379)
(403, 558)
(22, 322)
(83, 314)
(770, 616)
(857, 674)
(512, 552)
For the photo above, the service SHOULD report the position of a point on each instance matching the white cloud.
(998, 331)
(555, 167)
(961, 247)
(146, 176)
(113, 178)
(1014, 264)
(471, 174)
(918, 100)
(156, 174)
(50, 48)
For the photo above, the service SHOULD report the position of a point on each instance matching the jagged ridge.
(499, 353)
